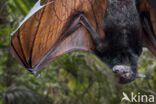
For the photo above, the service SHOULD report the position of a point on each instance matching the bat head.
(123, 62)
(125, 74)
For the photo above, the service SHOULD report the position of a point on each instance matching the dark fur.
(122, 26)
(122, 44)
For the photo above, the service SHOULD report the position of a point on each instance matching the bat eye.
(121, 69)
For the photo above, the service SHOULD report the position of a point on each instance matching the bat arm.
(97, 41)
(94, 35)
(71, 26)
(75, 22)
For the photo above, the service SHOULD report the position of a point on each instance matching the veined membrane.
(35, 8)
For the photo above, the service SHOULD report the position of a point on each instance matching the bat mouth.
(127, 78)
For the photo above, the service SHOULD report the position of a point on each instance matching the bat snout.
(120, 69)
(124, 73)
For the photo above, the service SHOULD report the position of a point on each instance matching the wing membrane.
(147, 10)
(35, 43)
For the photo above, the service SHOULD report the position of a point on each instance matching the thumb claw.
(140, 76)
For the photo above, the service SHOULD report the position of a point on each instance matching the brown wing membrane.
(147, 9)
(36, 42)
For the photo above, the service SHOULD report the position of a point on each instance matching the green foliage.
(18, 95)
(74, 78)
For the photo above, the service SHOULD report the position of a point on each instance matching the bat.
(114, 30)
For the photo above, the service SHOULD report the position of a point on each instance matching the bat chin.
(123, 80)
